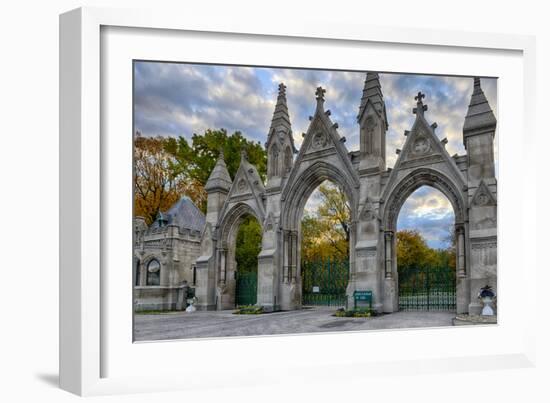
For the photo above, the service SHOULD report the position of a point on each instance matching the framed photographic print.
(259, 194)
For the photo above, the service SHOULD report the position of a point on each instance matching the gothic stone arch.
(397, 194)
(226, 264)
(375, 193)
(307, 177)
(322, 156)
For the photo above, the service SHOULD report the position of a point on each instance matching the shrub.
(354, 313)
(249, 310)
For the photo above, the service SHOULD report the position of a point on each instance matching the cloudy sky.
(172, 99)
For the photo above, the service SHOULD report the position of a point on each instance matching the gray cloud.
(172, 99)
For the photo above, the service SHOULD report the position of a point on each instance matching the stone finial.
(320, 93)
(282, 89)
(244, 155)
(420, 107)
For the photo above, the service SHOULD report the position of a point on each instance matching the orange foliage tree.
(157, 186)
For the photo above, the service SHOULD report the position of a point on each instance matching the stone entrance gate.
(375, 193)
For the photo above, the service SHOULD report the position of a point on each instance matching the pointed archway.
(322, 157)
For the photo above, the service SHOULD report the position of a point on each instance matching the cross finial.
(420, 107)
(282, 89)
(320, 93)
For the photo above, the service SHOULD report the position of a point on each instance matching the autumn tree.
(326, 231)
(413, 251)
(156, 185)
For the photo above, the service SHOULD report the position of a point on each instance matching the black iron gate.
(324, 282)
(427, 289)
(247, 288)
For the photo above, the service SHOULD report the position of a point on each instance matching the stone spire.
(480, 118)
(372, 91)
(281, 120)
(219, 179)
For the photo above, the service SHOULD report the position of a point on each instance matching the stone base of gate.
(205, 307)
(390, 302)
(362, 282)
(462, 295)
(474, 309)
(224, 297)
(291, 297)
(267, 282)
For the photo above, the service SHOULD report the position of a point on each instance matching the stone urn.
(487, 297)
(191, 307)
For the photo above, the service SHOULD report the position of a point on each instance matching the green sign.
(362, 296)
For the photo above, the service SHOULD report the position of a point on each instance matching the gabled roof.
(322, 136)
(184, 214)
(421, 143)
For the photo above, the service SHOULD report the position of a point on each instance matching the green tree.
(325, 232)
(413, 251)
(248, 245)
(198, 159)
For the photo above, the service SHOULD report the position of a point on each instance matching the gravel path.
(183, 325)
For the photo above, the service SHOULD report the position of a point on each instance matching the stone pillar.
(352, 241)
(388, 237)
(293, 256)
(286, 258)
(462, 281)
(390, 303)
(223, 265)
(142, 274)
(461, 266)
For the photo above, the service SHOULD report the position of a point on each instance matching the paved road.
(183, 325)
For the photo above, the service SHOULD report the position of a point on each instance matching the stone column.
(142, 273)
(388, 237)
(223, 265)
(391, 299)
(286, 258)
(352, 240)
(293, 258)
(461, 267)
(462, 280)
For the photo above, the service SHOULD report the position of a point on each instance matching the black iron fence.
(324, 282)
(427, 289)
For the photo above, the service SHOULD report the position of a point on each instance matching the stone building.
(375, 193)
(164, 257)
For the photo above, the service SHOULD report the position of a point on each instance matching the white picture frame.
(89, 353)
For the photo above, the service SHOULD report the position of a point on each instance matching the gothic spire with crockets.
(372, 91)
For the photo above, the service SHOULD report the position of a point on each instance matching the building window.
(194, 274)
(274, 160)
(153, 272)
